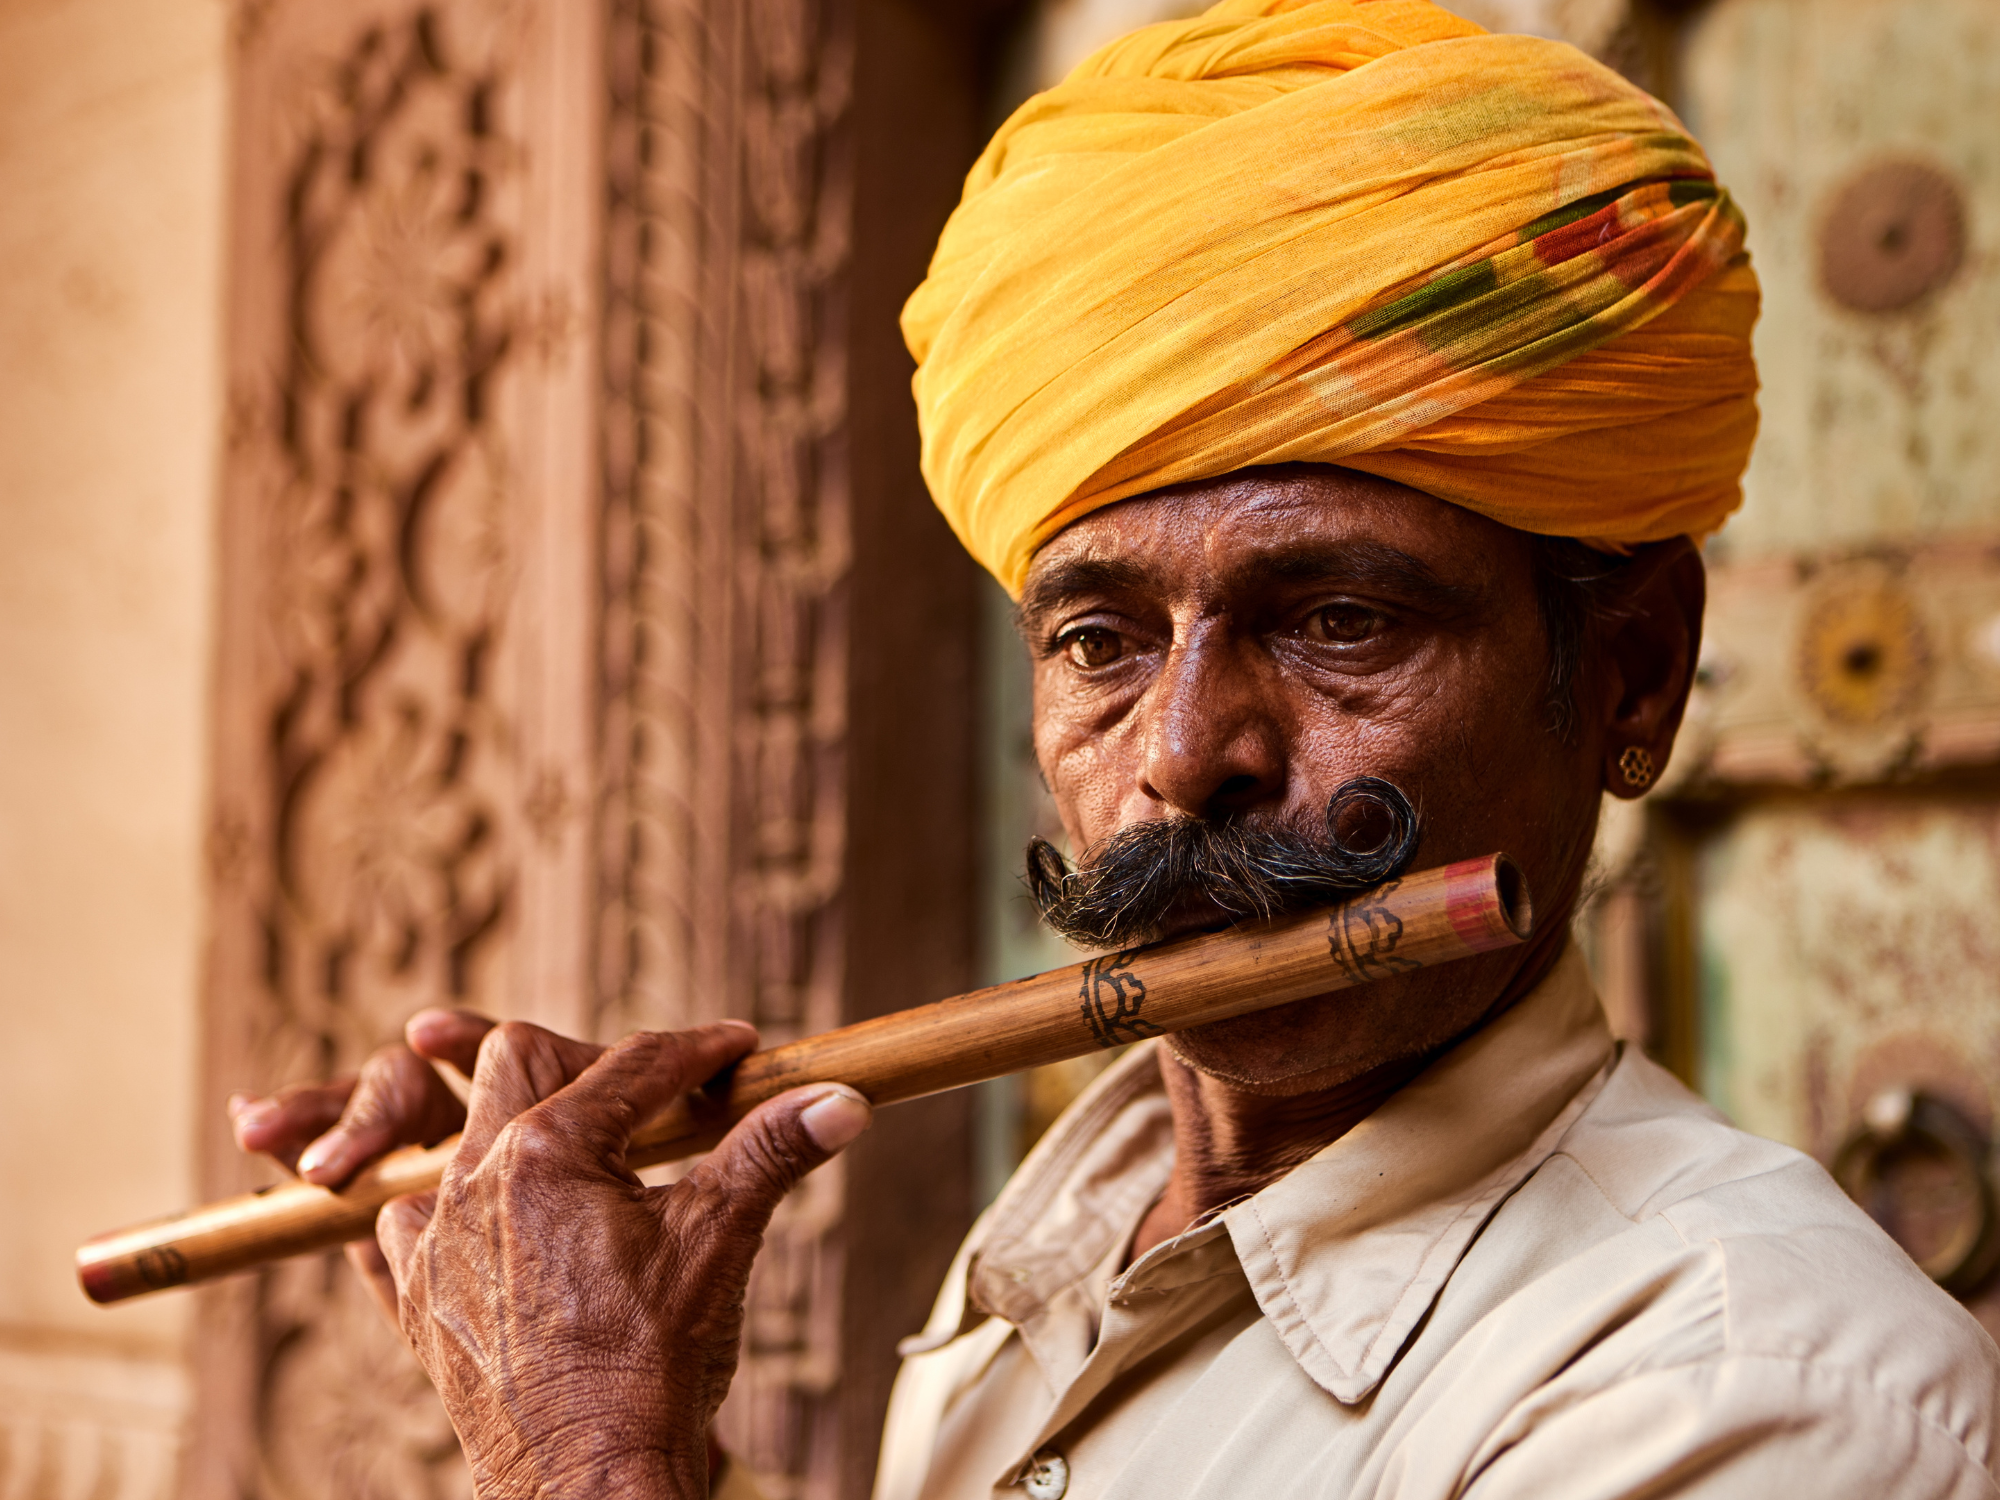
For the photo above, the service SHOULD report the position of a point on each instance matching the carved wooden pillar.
(726, 545)
(404, 765)
(786, 828)
(551, 620)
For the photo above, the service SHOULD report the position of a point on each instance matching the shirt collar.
(1346, 1252)
(1082, 1189)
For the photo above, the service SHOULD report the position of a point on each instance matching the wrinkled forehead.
(1260, 528)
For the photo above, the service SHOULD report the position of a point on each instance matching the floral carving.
(397, 836)
(389, 574)
(377, 851)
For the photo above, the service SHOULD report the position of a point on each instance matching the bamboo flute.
(1423, 919)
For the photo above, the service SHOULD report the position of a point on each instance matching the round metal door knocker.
(1892, 233)
(1920, 1169)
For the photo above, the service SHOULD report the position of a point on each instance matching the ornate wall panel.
(1852, 653)
(722, 823)
(1848, 666)
(1803, 919)
(404, 759)
(726, 531)
(535, 689)
(1847, 131)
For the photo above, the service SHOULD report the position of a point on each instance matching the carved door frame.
(588, 651)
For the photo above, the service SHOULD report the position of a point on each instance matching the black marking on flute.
(1363, 936)
(1111, 996)
(161, 1266)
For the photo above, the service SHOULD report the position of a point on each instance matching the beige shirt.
(1542, 1270)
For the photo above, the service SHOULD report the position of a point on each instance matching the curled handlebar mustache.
(1127, 885)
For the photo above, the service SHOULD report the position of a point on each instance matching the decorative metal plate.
(1892, 233)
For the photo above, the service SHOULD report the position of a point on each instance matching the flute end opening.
(110, 1269)
(100, 1282)
(1517, 907)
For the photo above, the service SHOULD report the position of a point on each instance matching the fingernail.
(245, 1113)
(320, 1155)
(735, 1025)
(835, 1119)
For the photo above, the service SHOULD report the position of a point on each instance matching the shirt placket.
(1144, 1309)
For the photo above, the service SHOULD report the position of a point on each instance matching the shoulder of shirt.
(1788, 1268)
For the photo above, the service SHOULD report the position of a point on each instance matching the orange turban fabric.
(1361, 232)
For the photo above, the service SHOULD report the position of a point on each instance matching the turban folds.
(1361, 232)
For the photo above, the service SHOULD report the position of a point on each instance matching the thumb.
(398, 1227)
(775, 1145)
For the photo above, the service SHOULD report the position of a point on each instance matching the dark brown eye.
(1094, 648)
(1344, 624)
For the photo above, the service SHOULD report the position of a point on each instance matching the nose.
(1214, 730)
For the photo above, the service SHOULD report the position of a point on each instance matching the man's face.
(1240, 647)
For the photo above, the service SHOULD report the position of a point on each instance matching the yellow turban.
(1361, 232)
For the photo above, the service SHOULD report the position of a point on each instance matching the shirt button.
(1047, 1477)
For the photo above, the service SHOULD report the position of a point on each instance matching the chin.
(1293, 1049)
(1333, 1039)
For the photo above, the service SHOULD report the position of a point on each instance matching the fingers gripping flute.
(1422, 919)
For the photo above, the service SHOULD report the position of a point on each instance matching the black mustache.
(1130, 883)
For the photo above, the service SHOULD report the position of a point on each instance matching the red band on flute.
(1468, 905)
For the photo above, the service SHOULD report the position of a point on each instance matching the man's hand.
(581, 1327)
(326, 1132)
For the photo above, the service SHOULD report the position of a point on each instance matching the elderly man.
(1339, 388)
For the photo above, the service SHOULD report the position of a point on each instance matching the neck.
(1230, 1143)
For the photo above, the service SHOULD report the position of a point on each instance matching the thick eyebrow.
(1370, 566)
(1049, 591)
(1365, 565)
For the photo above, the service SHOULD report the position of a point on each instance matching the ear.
(1647, 651)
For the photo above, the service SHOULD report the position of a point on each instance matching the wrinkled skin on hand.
(581, 1327)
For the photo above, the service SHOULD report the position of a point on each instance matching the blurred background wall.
(112, 165)
(462, 543)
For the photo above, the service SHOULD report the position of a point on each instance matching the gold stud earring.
(1636, 766)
